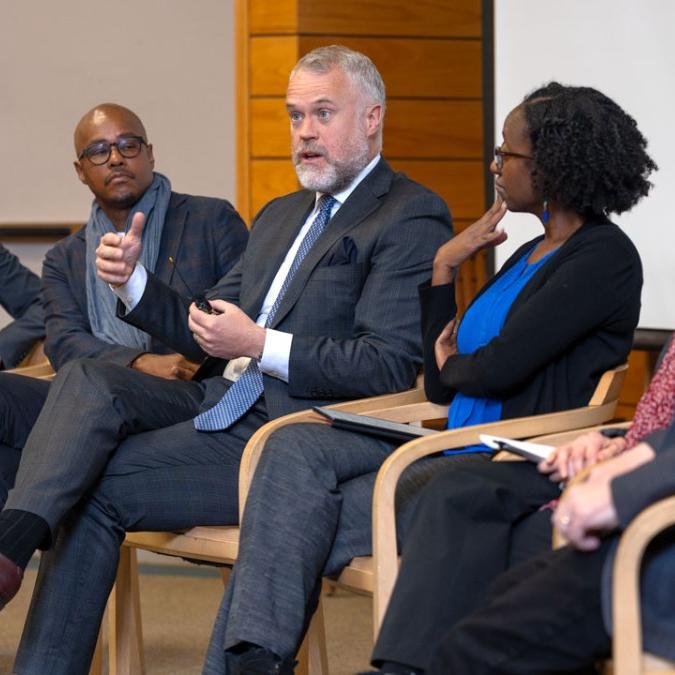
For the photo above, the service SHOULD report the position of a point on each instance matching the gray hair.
(358, 66)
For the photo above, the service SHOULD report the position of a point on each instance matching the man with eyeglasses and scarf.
(189, 243)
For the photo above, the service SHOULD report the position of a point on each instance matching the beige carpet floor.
(178, 610)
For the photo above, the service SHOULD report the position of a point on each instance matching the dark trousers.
(114, 450)
(541, 617)
(21, 399)
(308, 513)
(471, 523)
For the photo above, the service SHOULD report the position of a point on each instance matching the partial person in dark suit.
(535, 340)
(552, 614)
(195, 241)
(20, 297)
(321, 307)
(476, 520)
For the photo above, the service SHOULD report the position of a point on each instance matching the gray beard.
(336, 176)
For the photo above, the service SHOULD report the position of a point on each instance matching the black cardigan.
(571, 322)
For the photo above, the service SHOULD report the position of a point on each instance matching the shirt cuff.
(132, 292)
(276, 354)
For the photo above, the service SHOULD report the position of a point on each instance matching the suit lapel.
(172, 235)
(281, 238)
(359, 205)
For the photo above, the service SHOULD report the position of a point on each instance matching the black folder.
(364, 424)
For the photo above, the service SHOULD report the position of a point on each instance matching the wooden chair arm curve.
(412, 401)
(626, 616)
(39, 370)
(384, 515)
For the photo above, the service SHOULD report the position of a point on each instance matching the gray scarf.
(101, 301)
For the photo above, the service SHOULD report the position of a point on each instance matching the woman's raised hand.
(481, 234)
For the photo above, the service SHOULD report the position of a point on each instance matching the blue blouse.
(482, 322)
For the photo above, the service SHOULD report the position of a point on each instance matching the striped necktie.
(243, 393)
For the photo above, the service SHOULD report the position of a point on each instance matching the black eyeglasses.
(99, 153)
(500, 154)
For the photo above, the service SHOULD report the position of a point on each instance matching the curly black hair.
(589, 154)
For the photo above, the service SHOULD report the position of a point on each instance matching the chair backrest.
(609, 386)
(629, 657)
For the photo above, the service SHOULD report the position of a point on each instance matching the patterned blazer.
(205, 236)
(20, 296)
(351, 307)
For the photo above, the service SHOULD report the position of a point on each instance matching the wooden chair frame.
(35, 363)
(628, 655)
(374, 575)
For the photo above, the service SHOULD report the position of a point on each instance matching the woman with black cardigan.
(570, 156)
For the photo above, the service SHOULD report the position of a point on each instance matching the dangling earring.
(545, 215)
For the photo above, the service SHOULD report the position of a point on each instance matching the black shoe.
(261, 661)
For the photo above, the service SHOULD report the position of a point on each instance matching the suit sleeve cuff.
(132, 292)
(276, 354)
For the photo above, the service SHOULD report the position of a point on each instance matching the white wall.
(171, 61)
(626, 49)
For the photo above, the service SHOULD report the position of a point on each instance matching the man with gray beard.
(322, 307)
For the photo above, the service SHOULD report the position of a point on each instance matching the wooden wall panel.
(459, 183)
(433, 129)
(417, 68)
(270, 178)
(640, 365)
(271, 60)
(409, 67)
(270, 128)
(428, 18)
(436, 130)
(266, 17)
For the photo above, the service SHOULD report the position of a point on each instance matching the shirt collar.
(341, 197)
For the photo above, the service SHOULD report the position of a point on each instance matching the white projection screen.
(626, 49)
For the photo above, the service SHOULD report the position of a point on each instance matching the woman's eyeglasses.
(500, 154)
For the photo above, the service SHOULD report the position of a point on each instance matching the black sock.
(21, 533)
(242, 647)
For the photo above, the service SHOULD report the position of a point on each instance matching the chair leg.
(97, 660)
(124, 619)
(312, 657)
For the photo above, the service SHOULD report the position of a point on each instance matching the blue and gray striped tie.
(241, 396)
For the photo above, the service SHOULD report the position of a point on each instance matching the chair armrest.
(567, 436)
(406, 406)
(256, 444)
(626, 618)
(384, 514)
(36, 370)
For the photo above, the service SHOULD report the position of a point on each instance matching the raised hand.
(481, 234)
(116, 256)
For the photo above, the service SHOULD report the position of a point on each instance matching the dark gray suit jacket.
(205, 236)
(20, 296)
(632, 493)
(352, 306)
